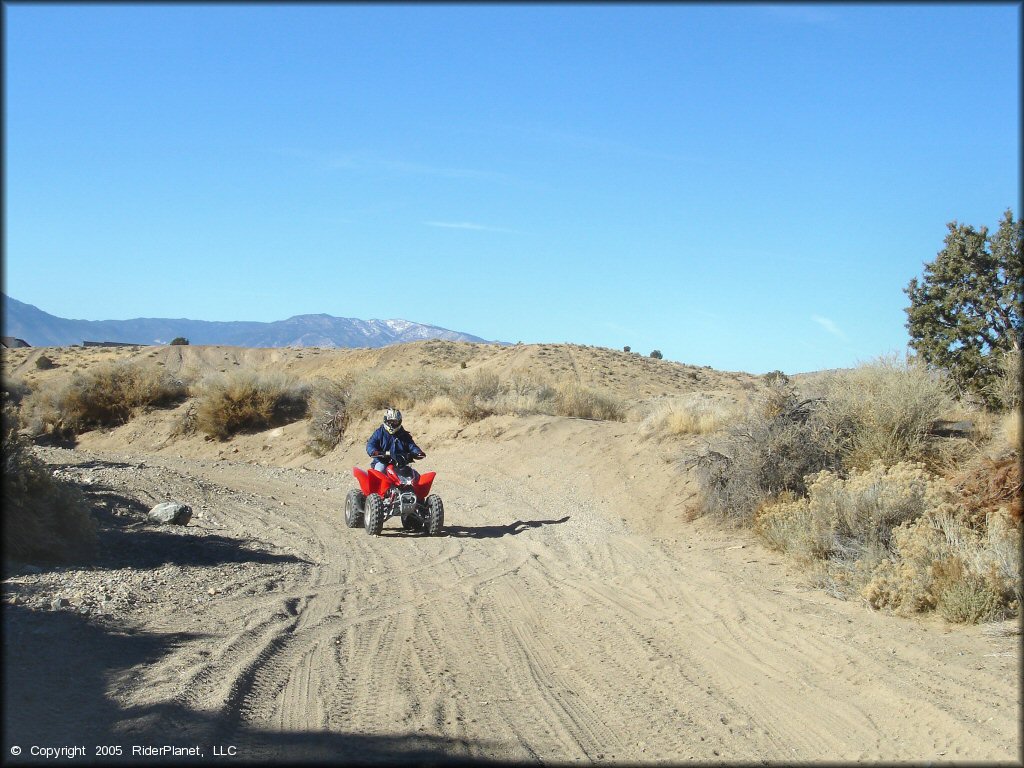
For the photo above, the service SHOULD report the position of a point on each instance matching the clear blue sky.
(743, 186)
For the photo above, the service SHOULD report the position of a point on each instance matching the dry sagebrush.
(1008, 384)
(248, 402)
(939, 562)
(883, 411)
(328, 415)
(899, 538)
(853, 516)
(766, 455)
(44, 519)
(106, 396)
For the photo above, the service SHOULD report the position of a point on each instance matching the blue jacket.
(383, 441)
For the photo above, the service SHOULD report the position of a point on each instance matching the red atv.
(395, 491)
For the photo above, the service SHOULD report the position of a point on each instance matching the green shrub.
(44, 519)
(43, 363)
(968, 600)
(656, 354)
(776, 377)
(248, 402)
(105, 396)
(179, 341)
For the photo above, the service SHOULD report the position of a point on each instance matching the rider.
(391, 438)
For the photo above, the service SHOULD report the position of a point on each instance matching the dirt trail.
(547, 624)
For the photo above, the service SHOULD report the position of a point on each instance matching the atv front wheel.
(435, 515)
(354, 504)
(374, 514)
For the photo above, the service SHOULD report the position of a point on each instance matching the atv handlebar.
(401, 459)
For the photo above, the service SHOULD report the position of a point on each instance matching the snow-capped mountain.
(40, 329)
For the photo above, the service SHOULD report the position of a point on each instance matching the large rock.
(173, 512)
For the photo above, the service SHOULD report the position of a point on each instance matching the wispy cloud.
(467, 225)
(829, 326)
(360, 161)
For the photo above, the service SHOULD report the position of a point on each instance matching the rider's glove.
(421, 455)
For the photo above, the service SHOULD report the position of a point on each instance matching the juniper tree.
(965, 313)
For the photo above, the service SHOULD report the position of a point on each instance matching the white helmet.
(392, 420)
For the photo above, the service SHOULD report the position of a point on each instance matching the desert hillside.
(626, 374)
(574, 607)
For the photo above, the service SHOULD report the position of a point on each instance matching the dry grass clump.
(527, 393)
(467, 396)
(1006, 388)
(375, 391)
(883, 411)
(244, 401)
(476, 396)
(439, 405)
(578, 401)
(483, 393)
(763, 457)
(44, 519)
(105, 396)
(693, 414)
(1006, 437)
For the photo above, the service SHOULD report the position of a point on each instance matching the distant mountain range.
(41, 329)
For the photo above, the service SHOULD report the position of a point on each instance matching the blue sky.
(748, 187)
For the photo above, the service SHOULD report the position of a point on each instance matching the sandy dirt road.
(559, 619)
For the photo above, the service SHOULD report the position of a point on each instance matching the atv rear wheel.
(374, 514)
(354, 508)
(435, 515)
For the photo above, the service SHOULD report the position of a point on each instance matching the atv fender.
(422, 485)
(363, 480)
(371, 482)
(379, 482)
